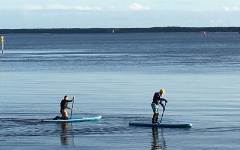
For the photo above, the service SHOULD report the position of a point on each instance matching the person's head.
(161, 91)
(65, 97)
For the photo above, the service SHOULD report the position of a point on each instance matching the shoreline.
(119, 30)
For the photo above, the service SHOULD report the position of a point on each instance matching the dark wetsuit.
(64, 104)
(63, 110)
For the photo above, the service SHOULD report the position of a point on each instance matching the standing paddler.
(155, 103)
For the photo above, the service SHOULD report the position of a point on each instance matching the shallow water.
(116, 76)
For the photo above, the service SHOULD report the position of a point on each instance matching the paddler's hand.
(73, 98)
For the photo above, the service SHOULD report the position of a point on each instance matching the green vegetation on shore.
(120, 30)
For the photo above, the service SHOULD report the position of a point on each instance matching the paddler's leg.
(155, 118)
(57, 117)
(157, 114)
(64, 114)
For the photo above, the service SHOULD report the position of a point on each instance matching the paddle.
(163, 112)
(72, 106)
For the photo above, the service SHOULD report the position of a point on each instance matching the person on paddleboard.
(64, 107)
(155, 103)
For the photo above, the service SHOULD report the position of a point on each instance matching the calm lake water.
(116, 75)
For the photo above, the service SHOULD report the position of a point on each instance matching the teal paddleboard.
(187, 125)
(73, 119)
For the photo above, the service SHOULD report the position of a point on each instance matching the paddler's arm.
(69, 108)
(163, 106)
(163, 99)
(71, 99)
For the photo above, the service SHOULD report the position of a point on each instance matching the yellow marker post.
(2, 40)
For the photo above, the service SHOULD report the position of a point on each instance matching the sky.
(17, 14)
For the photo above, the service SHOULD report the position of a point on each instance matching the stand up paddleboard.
(74, 119)
(188, 125)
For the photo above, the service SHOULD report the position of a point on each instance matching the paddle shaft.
(71, 109)
(163, 112)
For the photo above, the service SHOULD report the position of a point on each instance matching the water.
(116, 75)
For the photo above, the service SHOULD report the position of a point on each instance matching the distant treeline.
(120, 30)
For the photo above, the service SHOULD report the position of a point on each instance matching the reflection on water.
(66, 137)
(156, 142)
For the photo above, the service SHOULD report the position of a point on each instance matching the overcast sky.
(118, 13)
